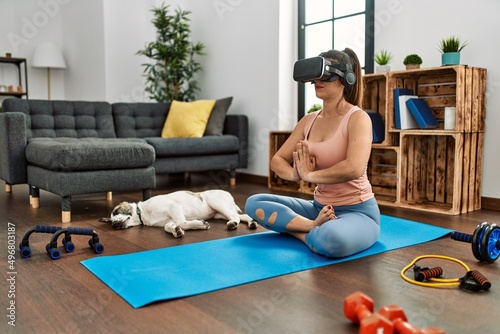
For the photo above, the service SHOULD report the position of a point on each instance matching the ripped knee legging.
(356, 228)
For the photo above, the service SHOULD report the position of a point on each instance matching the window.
(334, 24)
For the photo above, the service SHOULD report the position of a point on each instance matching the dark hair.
(353, 94)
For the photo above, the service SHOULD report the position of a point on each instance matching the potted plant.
(170, 74)
(412, 61)
(450, 48)
(383, 58)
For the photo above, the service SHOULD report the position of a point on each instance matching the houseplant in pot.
(383, 58)
(170, 72)
(450, 48)
(412, 61)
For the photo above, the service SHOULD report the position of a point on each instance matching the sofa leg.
(8, 188)
(34, 197)
(109, 196)
(232, 177)
(66, 209)
(146, 194)
(35, 202)
(66, 216)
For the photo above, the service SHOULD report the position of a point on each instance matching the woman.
(330, 148)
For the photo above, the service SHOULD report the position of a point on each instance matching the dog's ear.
(105, 220)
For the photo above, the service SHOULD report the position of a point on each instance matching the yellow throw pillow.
(187, 119)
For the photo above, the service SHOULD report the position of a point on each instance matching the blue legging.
(356, 228)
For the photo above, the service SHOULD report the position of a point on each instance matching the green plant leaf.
(412, 59)
(451, 44)
(383, 57)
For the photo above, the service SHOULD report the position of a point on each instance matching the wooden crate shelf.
(431, 171)
(473, 171)
(457, 86)
(383, 171)
(441, 172)
(375, 100)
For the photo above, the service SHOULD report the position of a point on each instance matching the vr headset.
(319, 68)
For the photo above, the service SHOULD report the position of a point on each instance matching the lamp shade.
(48, 55)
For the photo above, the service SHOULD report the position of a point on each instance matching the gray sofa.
(80, 147)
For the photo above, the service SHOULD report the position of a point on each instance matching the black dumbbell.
(485, 241)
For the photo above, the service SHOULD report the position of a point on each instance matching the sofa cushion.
(75, 119)
(208, 145)
(71, 154)
(187, 119)
(215, 124)
(139, 120)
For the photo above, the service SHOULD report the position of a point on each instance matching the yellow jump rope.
(472, 281)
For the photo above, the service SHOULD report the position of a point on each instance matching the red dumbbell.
(358, 308)
(397, 316)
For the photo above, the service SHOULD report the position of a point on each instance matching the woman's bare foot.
(326, 214)
(302, 224)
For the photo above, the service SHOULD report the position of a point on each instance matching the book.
(407, 119)
(422, 113)
(378, 127)
(397, 93)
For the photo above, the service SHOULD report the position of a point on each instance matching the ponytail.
(354, 94)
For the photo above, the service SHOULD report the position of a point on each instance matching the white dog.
(180, 211)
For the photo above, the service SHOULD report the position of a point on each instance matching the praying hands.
(303, 162)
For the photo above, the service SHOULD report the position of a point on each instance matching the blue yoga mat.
(180, 271)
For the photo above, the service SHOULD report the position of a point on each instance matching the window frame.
(369, 42)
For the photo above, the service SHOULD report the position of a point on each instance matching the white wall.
(251, 47)
(84, 51)
(127, 27)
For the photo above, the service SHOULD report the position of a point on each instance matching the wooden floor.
(64, 297)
